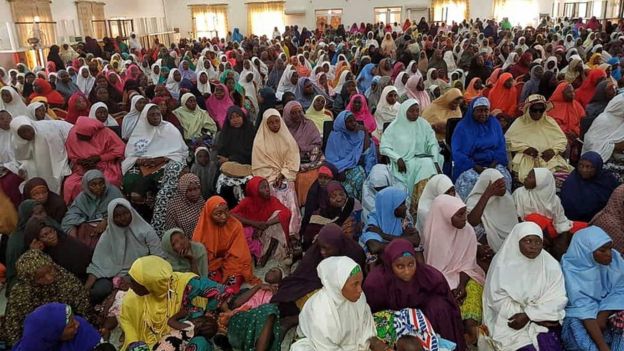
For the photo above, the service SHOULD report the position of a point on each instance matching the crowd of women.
(408, 187)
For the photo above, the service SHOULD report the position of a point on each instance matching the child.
(111, 307)
(206, 171)
(408, 343)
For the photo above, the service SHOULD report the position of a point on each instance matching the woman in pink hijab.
(415, 89)
(218, 104)
(359, 107)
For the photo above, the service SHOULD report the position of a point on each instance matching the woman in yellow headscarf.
(443, 108)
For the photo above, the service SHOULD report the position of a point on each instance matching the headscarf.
(385, 112)
(513, 287)
(586, 91)
(344, 147)
(32, 110)
(471, 92)
(285, 84)
(274, 154)
(532, 85)
(437, 185)
(363, 114)
(110, 121)
(203, 88)
(607, 129)
(567, 114)
(412, 92)
(54, 206)
(72, 109)
(317, 117)
(439, 112)
(502, 98)
(172, 85)
(181, 212)
(592, 287)
(386, 202)
(53, 96)
(16, 107)
(218, 108)
(131, 120)
(183, 264)
(236, 144)
(375, 95)
(610, 218)
(301, 97)
(448, 249)
(305, 132)
(597, 105)
(365, 78)
(254, 207)
(194, 122)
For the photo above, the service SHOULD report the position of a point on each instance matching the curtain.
(262, 17)
(88, 12)
(24, 13)
(209, 20)
(457, 10)
(519, 12)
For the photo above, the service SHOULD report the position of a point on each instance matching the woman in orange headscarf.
(229, 259)
(301, 69)
(586, 91)
(567, 111)
(474, 90)
(504, 95)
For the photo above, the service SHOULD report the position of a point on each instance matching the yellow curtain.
(88, 12)
(209, 20)
(24, 13)
(262, 17)
(458, 10)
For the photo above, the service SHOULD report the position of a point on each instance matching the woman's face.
(180, 243)
(81, 103)
(319, 104)
(236, 120)
(45, 275)
(391, 98)
(5, 120)
(294, 78)
(191, 103)
(154, 117)
(274, 123)
(308, 88)
(230, 83)
(71, 329)
(337, 198)
(530, 182)
(97, 186)
(481, 114)
(478, 84)
(531, 246)
(156, 70)
(586, 169)
(401, 211)
(357, 105)
(203, 78)
(101, 114)
(102, 94)
(351, 123)
(193, 192)
(323, 80)
(508, 83)
(610, 91)
(459, 218)
(434, 74)
(296, 114)
(536, 111)
(177, 76)
(603, 255)
(264, 190)
(39, 194)
(352, 289)
(48, 236)
(413, 112)
(220, 215)
(453, 105)
(349, 76)
(324, 179)
(6, 97)
(39, 212)
(140, 104)
(219, 92)
(122, 217)
(404, 268)
(113, 79)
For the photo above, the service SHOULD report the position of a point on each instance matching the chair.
(328, 126)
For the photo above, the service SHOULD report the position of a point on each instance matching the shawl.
(518, 284)
(385, 112)
(119, 247)
(205, 173)
(499, 214)
(16, 107)
(365, 78)
(148, 141)
(472, 92)
(474, 143)
(44, 327)
(194, 122)
(66, 89)
(383, 216)
(344, 147)
(502, 98)
(447, 248)
(87, 206)
(182, 264)
(363, 114)
(607, 129)
(236, 144)
(305, 279)
(437, 185)
(132, 118)
(583, 198)
(586, 91)
(110, 121)
(347, 325)
(318, 117)
(304, 132)
(439, 112)
(226, 245)
(32, 111)
(181, 213)
(542, 200)
(72, 107)
(53, 96)
(300, 95)
(285, 85)
(45, 156)
(610, 218)
(568, 114)
(412, 91)
(144, 318)
(254, 207)
(532, 85)
(218, 108)
(274, 154)
(592, 287)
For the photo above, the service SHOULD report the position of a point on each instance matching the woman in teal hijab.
(183, 254)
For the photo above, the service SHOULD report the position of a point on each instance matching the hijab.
(236, 144)
(181, 212)
(172, 85)
(502, 98)
(217, 108)
(180, 263)
(568, 114)
(412, 92)
(305, 132)
(437, 185)
(586, 91)
(131, 120)
(16, 107)
(363, 114)
(344, 147)
(317, 117)
(206, 174)
(274, 154)
(383, 216)
(194, 122)
(72, 107)
(53, 96)
(610, 218)
(385, 112)
(110, 121)
(439, 112)
(607, 129)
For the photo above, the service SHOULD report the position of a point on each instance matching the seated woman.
(610, 218)
(491, 209)
(411, 145)
(309, 141)
(587, 189)
(401, 282)
(318, 114)
(229, 259)
(154, 154)
(218, 103)
(386, 222)
(437, 185)
(595, 288)
(605, 137)
(349, 150)
(265, 220)
(126, 238)
(99, 111)
(537, 202)
(234, 146)
(386, 109)
(91, 146)
(129, 122)
(442, 109)
(37, 189)
(86, 217)
(359, 108)
(477, 143)
(522, 310)
(55, 324)
(185, 206)
(183, 254)
(536, 140)
(195, 121)
(41, 281)
(276, 158)
(379, 178)
(450, 245)
(348, 322)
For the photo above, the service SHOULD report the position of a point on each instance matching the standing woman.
(276, 158)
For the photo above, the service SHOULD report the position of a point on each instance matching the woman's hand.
(518, 321)
(101, 227)
(401, 165)
(496, 187)
(460, 294)
(531, 151)
(222, 160)
(278, 182)
(37, 245)
(205, 326)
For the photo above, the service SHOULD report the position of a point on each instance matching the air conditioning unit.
(295, 12)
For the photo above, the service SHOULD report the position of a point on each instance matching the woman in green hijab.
(183, 254)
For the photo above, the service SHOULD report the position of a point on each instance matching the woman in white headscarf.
(286, 83)
(203, 83)
(173, 83)
(438, 184)
(250, 80)
(524, 292)
(512, 59)
(85, 81)
(108, 121)
(11, 102)
(137, 103)
(347, 321)
(387, 109)
(450, 61)
(40, 148)
(37, 111)
(399, 82)
(155, 73)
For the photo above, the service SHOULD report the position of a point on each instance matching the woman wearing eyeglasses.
(535, 140)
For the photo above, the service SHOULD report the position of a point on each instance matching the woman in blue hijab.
(54, 327)
(365, 78)
(616, 70)
(587, 189)
(594, 280)
(477, 143)
(237, 36)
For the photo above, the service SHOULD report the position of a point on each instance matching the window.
(209, 21)
(388, 14)
(90, 16)
(33, 19)
(519, 12)
(331, 17)
(585, 9)
(263, 17)
(450, 10)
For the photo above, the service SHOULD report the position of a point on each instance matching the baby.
(408, 343)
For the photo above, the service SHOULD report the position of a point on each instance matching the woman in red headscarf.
(522, 67)
(41, 87)
(566, 110)
(78, 105)
(586, 91)
(504, 95)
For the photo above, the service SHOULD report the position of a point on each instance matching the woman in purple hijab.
(400, 282)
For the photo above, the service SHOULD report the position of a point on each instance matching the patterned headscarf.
(180, 211)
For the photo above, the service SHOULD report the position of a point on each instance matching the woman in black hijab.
(54, 56)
